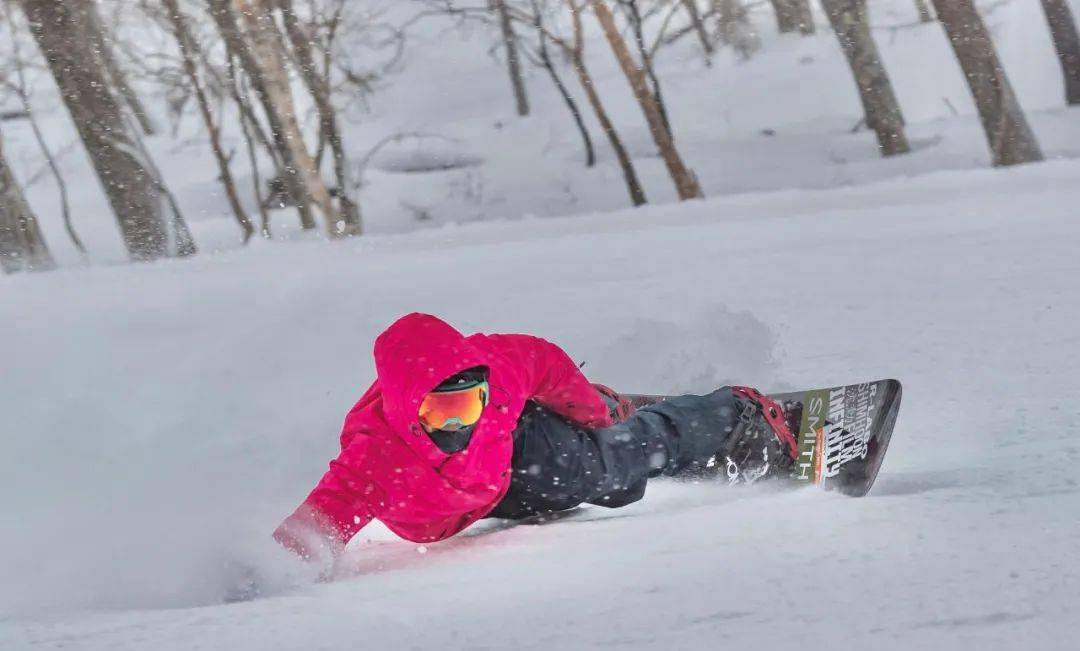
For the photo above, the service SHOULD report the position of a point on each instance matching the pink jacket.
(388, 467)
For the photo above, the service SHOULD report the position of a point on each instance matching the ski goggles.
(455, 409)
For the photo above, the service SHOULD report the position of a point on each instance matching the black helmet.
(457, 440)
(464, 379)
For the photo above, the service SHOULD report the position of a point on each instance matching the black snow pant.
(558, 465)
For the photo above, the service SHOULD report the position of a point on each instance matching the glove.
(310, 535)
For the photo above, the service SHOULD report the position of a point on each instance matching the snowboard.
(843, 432)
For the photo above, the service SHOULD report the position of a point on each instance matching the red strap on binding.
(773, 414)
(623, 407)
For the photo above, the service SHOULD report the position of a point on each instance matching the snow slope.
(157, 421)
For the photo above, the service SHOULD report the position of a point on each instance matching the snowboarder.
(460, 428)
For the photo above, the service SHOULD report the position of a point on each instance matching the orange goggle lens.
(453, 410)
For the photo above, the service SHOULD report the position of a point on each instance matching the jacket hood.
(414, 355)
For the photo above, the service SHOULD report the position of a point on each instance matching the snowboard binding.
(762, 444)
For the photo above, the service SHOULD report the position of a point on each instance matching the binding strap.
(773, 414)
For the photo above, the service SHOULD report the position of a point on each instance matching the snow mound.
(419, 154)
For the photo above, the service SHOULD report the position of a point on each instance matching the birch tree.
(686, 184)
(22, 90)
(543, 54)
(188, 47)
(1067, 44)
(319, 87)
(1007, 131)
(852, 26)
(577, 57)
(792, 15)
(103, 49)
(735, 29)
(645, 56)
(513, 61)
(250, 33)
(134, 191)
(699, 28)
(22, 247)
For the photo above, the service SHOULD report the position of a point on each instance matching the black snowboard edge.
(857, 479)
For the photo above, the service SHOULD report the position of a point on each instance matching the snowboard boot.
(761, 445)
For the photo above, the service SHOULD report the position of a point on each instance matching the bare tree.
(645, 56)
(249, 31)
(699, 28)
(135, 192)
(187, 44)
(544, 57)
(804, 15)
(685, 182)
(792, 15)
(23, 93)
(22, 247)
(319, 87)
(852, 26)
(102, 46)
(267, 65)
(924, 11)
(1067, 43)
(735, 29)
(1011, 138)
(577, 56)
(513, 61)
(238, 89)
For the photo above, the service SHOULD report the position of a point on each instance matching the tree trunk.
(1007, 130)
(268, 64)
(513, 62)
(792, 15)
(804, 16)
(133, 190)
(259, 53)
(103, 48)
(186, 43)
(924, 11)
(699, 27)
(577, 54)
(571, 105)
(319, 88)
(249, 123)
(852, 26)
(633, 185)
(22, 247)
(564, 92)
(785, 21)
(247, 127)
(20, 87)
(637, 24)
(685, 183)
(1067, 44)
(735, 28)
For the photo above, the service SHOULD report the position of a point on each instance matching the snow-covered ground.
(158, 420)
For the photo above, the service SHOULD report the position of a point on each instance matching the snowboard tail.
(843, 432)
